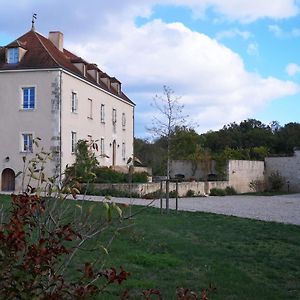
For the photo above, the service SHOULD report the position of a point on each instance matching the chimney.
(57, 38)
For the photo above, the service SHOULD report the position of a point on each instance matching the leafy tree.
(85, 163)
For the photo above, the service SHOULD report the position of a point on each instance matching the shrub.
(217, 192)
(230, 190)
(172, 194)
(140, 177)
(257, 185)
(108, 175)
(276, 181)
(190, 193)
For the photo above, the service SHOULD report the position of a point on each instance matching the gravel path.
(283, 209)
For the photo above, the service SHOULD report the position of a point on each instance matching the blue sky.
(227, 60)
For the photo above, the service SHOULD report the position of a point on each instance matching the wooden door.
(8, 180)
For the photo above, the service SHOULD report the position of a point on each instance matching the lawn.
(244, 259)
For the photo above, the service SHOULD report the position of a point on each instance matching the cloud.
(280, 33)
(232, 33)
(212, 79)
(292, 69)
(215, 86)
(253, 49)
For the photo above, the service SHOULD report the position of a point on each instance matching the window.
(102, 113)
(114, 116)
(123, 151)
(27, 140)
(123, 121)
(28, 98)
(90, 116)
(102, 150)
(13, 55)
(73, 141)
(74, 102)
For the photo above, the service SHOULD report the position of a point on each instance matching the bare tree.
(170, 115)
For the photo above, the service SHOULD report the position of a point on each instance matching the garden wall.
(199, 188)
(288, 167)
(242, 172)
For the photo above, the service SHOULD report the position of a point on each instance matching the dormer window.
(13, 55)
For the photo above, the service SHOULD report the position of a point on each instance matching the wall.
(14, 121)
(200, 188)
(288, 167)
(239, 172)
(185, 167)
(242, 172)
(84, 126)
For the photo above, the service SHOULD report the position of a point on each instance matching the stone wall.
(288, 167)
(242, 172)
(199, 188)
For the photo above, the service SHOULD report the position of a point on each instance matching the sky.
(227, 61)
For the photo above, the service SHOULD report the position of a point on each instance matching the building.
(50, 93)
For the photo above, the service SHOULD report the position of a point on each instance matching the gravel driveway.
(283, 209)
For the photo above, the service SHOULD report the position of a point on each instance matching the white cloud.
(253, 49)
(212, 80)
(292, 69)
(232, 33)
(280, 33)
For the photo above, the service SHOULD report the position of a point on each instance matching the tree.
(169, 118)
(85, 163)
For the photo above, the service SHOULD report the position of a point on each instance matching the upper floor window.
(90, 116)
(74, 103)
(114, 116)
(28, 98)
(13, 55)
(102, 113)
(27, 141)
(73, 141)
(123, 121)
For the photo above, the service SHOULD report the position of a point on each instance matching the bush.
(217, 192)
(190, 193)
(139, 177)
(257, 185)
(108, 175)
(230, 190)
(172, 194)
(276, 181)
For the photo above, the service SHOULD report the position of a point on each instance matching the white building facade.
(48, 92)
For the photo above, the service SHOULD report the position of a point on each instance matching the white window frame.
(30, 141)
(74, 102)
(73, 141)
(123, 121)
(13, 55)
(90, 101)
(102, 113)
(114, 116)
(102, 147)
(28, 108)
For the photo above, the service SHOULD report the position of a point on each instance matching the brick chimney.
(57, 38)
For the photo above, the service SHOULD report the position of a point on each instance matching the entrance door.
(8, 180)
(114, 153)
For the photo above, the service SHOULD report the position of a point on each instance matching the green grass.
(244, 259)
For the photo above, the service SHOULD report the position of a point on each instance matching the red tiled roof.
(42, 53)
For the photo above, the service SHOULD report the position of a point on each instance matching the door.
(8, 180)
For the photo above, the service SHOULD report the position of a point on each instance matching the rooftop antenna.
(32, 22)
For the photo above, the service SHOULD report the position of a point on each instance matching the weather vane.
(32, 22)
